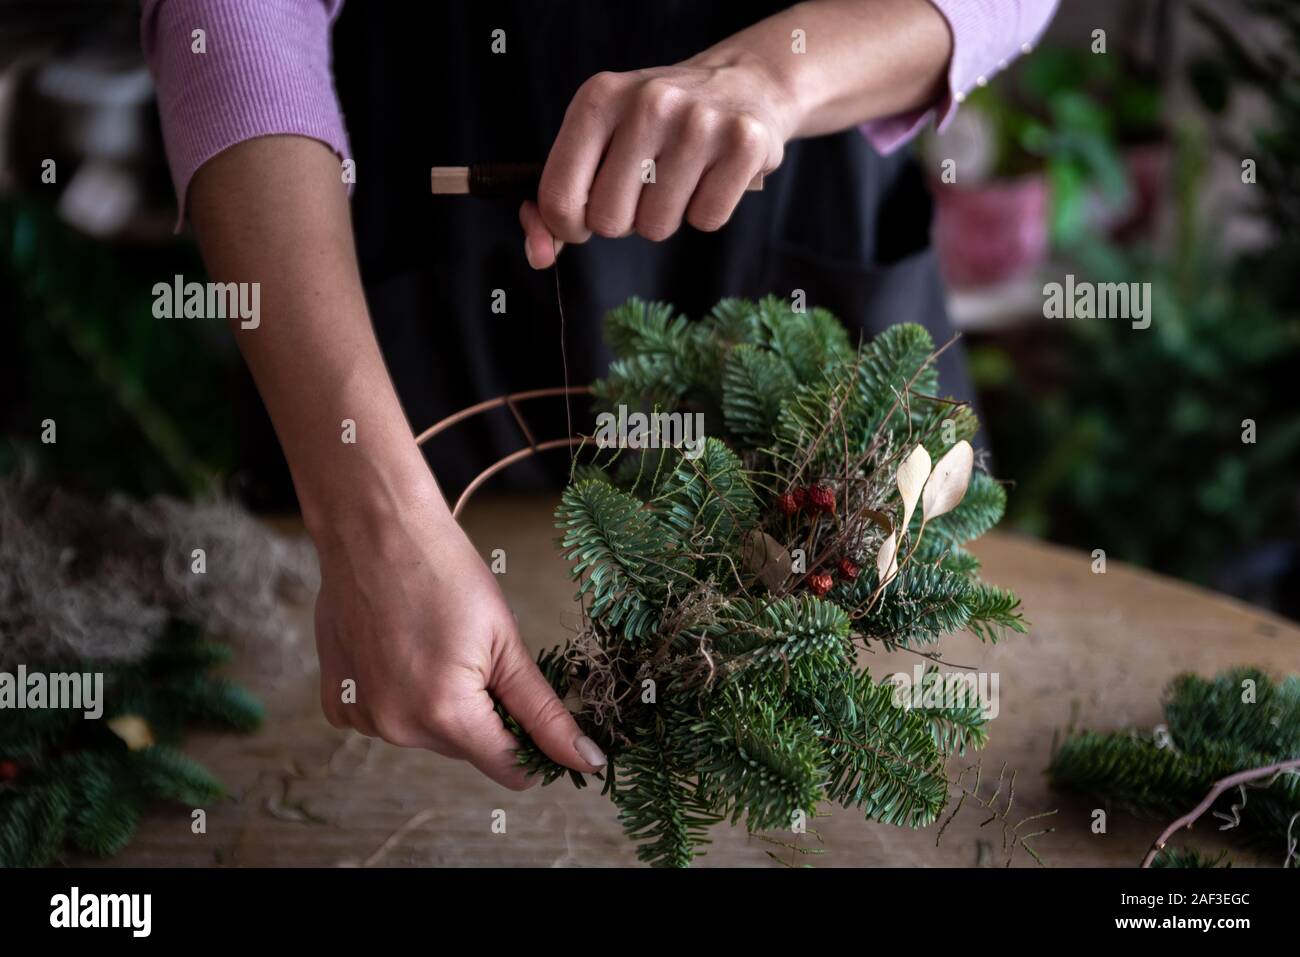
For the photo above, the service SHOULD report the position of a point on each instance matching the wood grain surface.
(1100, 651)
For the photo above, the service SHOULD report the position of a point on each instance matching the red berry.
(821, 583)
(800, 497)
(848, 569)
(8, 770)
(787, 504)
(822, 498)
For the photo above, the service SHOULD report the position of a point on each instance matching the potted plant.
(1034, 161)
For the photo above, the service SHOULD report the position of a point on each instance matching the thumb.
(540, 247)
(521, 688)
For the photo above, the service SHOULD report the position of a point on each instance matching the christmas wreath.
(727, 587)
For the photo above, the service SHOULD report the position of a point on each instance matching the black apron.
(420, 86)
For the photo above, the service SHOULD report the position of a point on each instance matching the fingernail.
(589, 751)
(528, 254)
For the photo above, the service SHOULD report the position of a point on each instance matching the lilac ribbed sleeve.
(986, 36)
(266, 70)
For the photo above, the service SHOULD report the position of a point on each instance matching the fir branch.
(955, 722)
(708, 500)
(1186, 857)
(1217, 733)
(166, 774)
(32, 823)
(629, 558)
(639, 328)
(661, 807)
(921, 604)
(896, 362)
(110, 804)
(1267, 722)
(758, 760)
(1132, 771)
(79, 785)
(799, 637)
(883, 758)
(807, 342)
(992, 611)
(755, 384)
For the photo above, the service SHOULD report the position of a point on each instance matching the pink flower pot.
(993, 232)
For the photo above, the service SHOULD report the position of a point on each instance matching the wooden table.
(1101, 649)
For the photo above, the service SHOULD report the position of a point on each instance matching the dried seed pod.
(822, 498)
(821, 583)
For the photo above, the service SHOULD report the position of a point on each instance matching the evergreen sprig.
(1239, 720)
(717, 666)
(80, 786)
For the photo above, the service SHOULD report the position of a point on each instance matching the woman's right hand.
(416, 641)
(415, 638)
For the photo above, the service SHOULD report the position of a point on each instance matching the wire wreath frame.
(510, 402)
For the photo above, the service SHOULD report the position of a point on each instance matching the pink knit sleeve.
(258, 67)
(987, 35)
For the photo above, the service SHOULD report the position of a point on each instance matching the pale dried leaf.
(132, 729)
(887, 558)
(948, 482)
(912, 475)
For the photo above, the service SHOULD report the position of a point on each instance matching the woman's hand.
(409, 612)
(711, 123)
(703, 131)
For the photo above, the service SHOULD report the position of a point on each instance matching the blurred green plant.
(140, 404)
(1138, 446)
(71, 784)
(1140, 443)
(1272, 74)
(1067, 112)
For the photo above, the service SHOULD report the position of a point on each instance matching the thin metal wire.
(564, 348)
(510, 402)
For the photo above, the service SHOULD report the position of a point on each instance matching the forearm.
(864, 59)
(273, 210)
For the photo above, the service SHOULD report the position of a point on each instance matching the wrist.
(368, 503)
(778, 90)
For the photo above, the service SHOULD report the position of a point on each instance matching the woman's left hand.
(640, 152)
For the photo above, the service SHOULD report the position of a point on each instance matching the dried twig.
(1012, 838)
(1273, 771)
